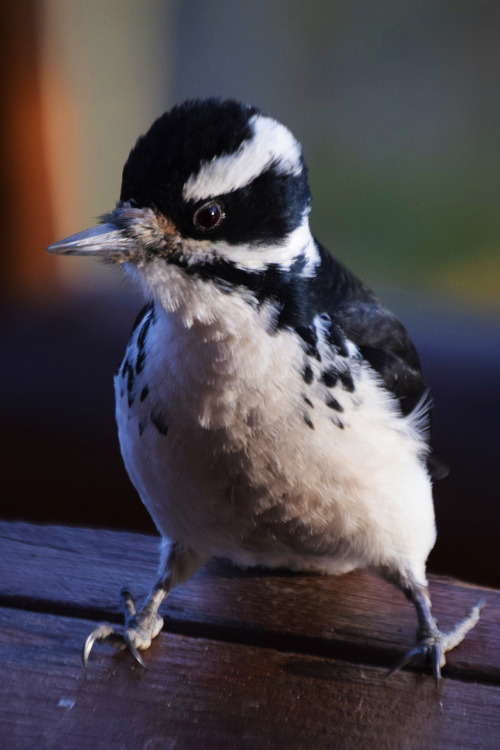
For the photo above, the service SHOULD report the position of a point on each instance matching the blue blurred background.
(397, 106)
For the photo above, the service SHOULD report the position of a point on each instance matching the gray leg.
(431, 643)
(140, 629)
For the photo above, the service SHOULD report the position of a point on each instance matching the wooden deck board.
(247, 659)
(201, 693)
(356, 617)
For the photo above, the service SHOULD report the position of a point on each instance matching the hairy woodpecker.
(269, 409)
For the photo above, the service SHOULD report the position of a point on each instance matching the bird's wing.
(382, 340)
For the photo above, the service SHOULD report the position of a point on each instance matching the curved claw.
(135, 653)
(432, 644)
(103, 633)
(407, 658)
(436, 657)
(87, 648)
(139, 629)
(433, 651)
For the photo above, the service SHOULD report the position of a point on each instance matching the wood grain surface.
(249, 659)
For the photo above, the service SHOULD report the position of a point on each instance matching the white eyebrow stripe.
(271, 143)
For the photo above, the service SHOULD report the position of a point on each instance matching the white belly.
(242, 473)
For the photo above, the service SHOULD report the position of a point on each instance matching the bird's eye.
(208, 216)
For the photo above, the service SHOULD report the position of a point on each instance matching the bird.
(270, 410)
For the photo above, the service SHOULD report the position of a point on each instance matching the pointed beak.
(105, 240)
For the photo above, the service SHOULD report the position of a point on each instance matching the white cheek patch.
(271, 143)
(298, 243)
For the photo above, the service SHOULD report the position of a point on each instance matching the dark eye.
(208, 216)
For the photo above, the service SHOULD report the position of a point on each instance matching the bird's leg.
(431, 643)
(178, 564)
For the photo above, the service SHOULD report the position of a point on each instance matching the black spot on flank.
(128, 374)
(308, 336)
(144, 393)
(146, 310)
(308, 422)
(332, 403)
(307, 374)
(336, 338)
(347, 381)
(139, 362)
(336, 421)
(308, 401)
(130, 389)
(141, 340)
(158, 420)
(330, 377)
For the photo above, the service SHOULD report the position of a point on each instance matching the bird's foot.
(433, 645)
(138, 631)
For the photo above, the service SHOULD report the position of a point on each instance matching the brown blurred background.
(398, 110)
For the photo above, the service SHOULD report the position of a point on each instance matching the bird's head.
(215, 188)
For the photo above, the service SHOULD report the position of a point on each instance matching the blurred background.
(397, 106)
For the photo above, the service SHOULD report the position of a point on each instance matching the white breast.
(241, 472)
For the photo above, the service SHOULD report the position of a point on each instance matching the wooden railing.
(252, 659)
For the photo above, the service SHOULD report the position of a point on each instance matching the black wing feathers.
(381, 338)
